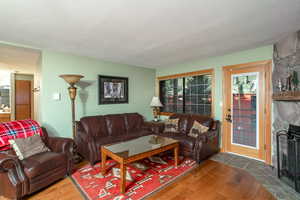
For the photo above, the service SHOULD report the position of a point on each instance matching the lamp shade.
(155, 102)
(71, 78)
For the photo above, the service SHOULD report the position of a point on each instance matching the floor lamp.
(72, 79)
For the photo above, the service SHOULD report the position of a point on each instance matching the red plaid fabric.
(17, 129)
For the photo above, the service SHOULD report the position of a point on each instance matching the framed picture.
(113, 90)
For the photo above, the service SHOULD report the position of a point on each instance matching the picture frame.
(112, 89)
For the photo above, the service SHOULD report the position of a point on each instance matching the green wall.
(262, 53)
(56, 115)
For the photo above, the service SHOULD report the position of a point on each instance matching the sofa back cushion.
(197, 129)
(171, 125)
(186, 121)
(134, 121)
(111, 125)
(183, 121)
(17, 129)
(26, 147)
(95, 125)
(203, 120)
(115, 124)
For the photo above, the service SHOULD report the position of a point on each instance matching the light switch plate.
(56, 96)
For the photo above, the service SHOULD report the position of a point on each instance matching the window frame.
(187, 74)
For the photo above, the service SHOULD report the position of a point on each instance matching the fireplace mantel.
(287, 96)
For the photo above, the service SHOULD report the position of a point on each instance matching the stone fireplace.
(286, 56)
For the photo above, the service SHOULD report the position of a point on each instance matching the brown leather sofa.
(22, 177)
(199, 148)
(94, 131)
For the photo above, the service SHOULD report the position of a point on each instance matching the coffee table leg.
(103, 162)
(176, 159)
(123, 178)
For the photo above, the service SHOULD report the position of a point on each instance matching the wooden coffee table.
(137, 149)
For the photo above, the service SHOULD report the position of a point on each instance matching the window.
(187, 93)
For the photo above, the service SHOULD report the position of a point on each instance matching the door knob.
(228, 118)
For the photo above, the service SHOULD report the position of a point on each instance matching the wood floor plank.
(210, 181)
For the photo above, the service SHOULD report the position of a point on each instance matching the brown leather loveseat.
(22, 177)
(94, 131)
(199, 148)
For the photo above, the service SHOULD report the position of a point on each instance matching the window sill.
(170, 113)
(166, 113)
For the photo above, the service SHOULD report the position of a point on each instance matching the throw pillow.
(171, 125)
(197, 129)
(26, 147)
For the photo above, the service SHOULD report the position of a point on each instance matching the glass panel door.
(247, 110)
(245, 118)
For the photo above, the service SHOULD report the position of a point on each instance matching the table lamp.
(156, 104)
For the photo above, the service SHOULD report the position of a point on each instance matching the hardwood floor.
(210, 181)
(215, 181)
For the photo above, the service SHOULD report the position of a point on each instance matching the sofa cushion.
(139, 133)
(197, 129)
(43, 163)
(26, 147)
(95, 126)
(183, 122)
(115, 124)
(204, 120)
(185, 141)
(168, 134)
(17, 129)
(121, 138)
(186, 121)
(109, 140)
(171, 125)
(134, 121)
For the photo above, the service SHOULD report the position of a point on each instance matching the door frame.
(267, 100)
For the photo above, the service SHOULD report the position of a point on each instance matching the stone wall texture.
(286, 55)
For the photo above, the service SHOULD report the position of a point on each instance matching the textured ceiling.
(149, 33)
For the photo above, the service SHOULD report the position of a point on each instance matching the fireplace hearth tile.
(263, 173)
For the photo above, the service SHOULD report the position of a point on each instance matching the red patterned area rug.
(142, 178)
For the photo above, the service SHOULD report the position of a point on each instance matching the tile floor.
(265, 174)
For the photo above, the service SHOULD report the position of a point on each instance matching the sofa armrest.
(208, 136)
(8, 162)
(13, 179)
(61, 145)
(212, 134)
(215, 125)
(81, 134)
(65, 146)
(155, 127)
(207, 144)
